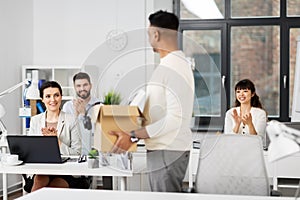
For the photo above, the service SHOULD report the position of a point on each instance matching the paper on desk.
(122, 161)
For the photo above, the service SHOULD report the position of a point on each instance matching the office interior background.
(64, 33)
(238, 39)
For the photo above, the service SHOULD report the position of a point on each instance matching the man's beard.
(87, 94)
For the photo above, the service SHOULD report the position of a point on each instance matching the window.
(255, 54)
(204, 48)
(242, 39)
(294, 36)
(255, 8)
(208, 9)
(293, 9)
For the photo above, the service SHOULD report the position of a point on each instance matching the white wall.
(15, 49)
(65, 32)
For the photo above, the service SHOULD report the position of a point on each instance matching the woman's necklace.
(53, 119)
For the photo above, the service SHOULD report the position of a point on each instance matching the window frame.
(284, 22)
(206, 122)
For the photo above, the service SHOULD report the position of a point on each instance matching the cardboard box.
(115, 118)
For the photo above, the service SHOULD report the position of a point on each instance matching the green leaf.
(93, 153)
(112, 98)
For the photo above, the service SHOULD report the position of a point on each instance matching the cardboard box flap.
(112, 110)
(115, 118)
(95, 113)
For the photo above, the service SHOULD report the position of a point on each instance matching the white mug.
(12, 158)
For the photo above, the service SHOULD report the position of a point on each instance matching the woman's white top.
(259, 120)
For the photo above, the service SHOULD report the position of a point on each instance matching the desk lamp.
(284, 140)
(32, 93)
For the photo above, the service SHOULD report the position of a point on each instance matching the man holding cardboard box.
(168, 109)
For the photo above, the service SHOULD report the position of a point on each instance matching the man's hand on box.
(123, 142)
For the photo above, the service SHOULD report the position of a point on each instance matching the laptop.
(35, 149)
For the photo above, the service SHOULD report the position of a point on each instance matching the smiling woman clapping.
(55, 122)
(247, 116)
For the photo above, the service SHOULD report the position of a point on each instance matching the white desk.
(79, 194)
(68, 168)
(284, 168)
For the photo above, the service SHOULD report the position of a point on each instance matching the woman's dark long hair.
(247, 84)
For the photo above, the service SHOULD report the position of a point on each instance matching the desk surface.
(67, 168)
(79, 194)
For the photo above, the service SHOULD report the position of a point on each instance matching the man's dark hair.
(164, 19)
(50, 84)
(81, 75)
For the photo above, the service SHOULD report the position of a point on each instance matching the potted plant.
(112, 98)
(93, 158)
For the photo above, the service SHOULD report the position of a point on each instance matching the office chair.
(232, 164)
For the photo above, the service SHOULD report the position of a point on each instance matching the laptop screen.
(35, 149)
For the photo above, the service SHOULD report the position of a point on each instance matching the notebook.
(35, 149)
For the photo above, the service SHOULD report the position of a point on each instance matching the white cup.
(12, 158)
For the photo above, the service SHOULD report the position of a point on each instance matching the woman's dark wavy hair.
(49, 84)
(247, 84)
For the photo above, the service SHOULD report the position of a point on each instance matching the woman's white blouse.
(259, 120)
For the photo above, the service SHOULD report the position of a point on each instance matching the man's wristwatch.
(133, 137)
